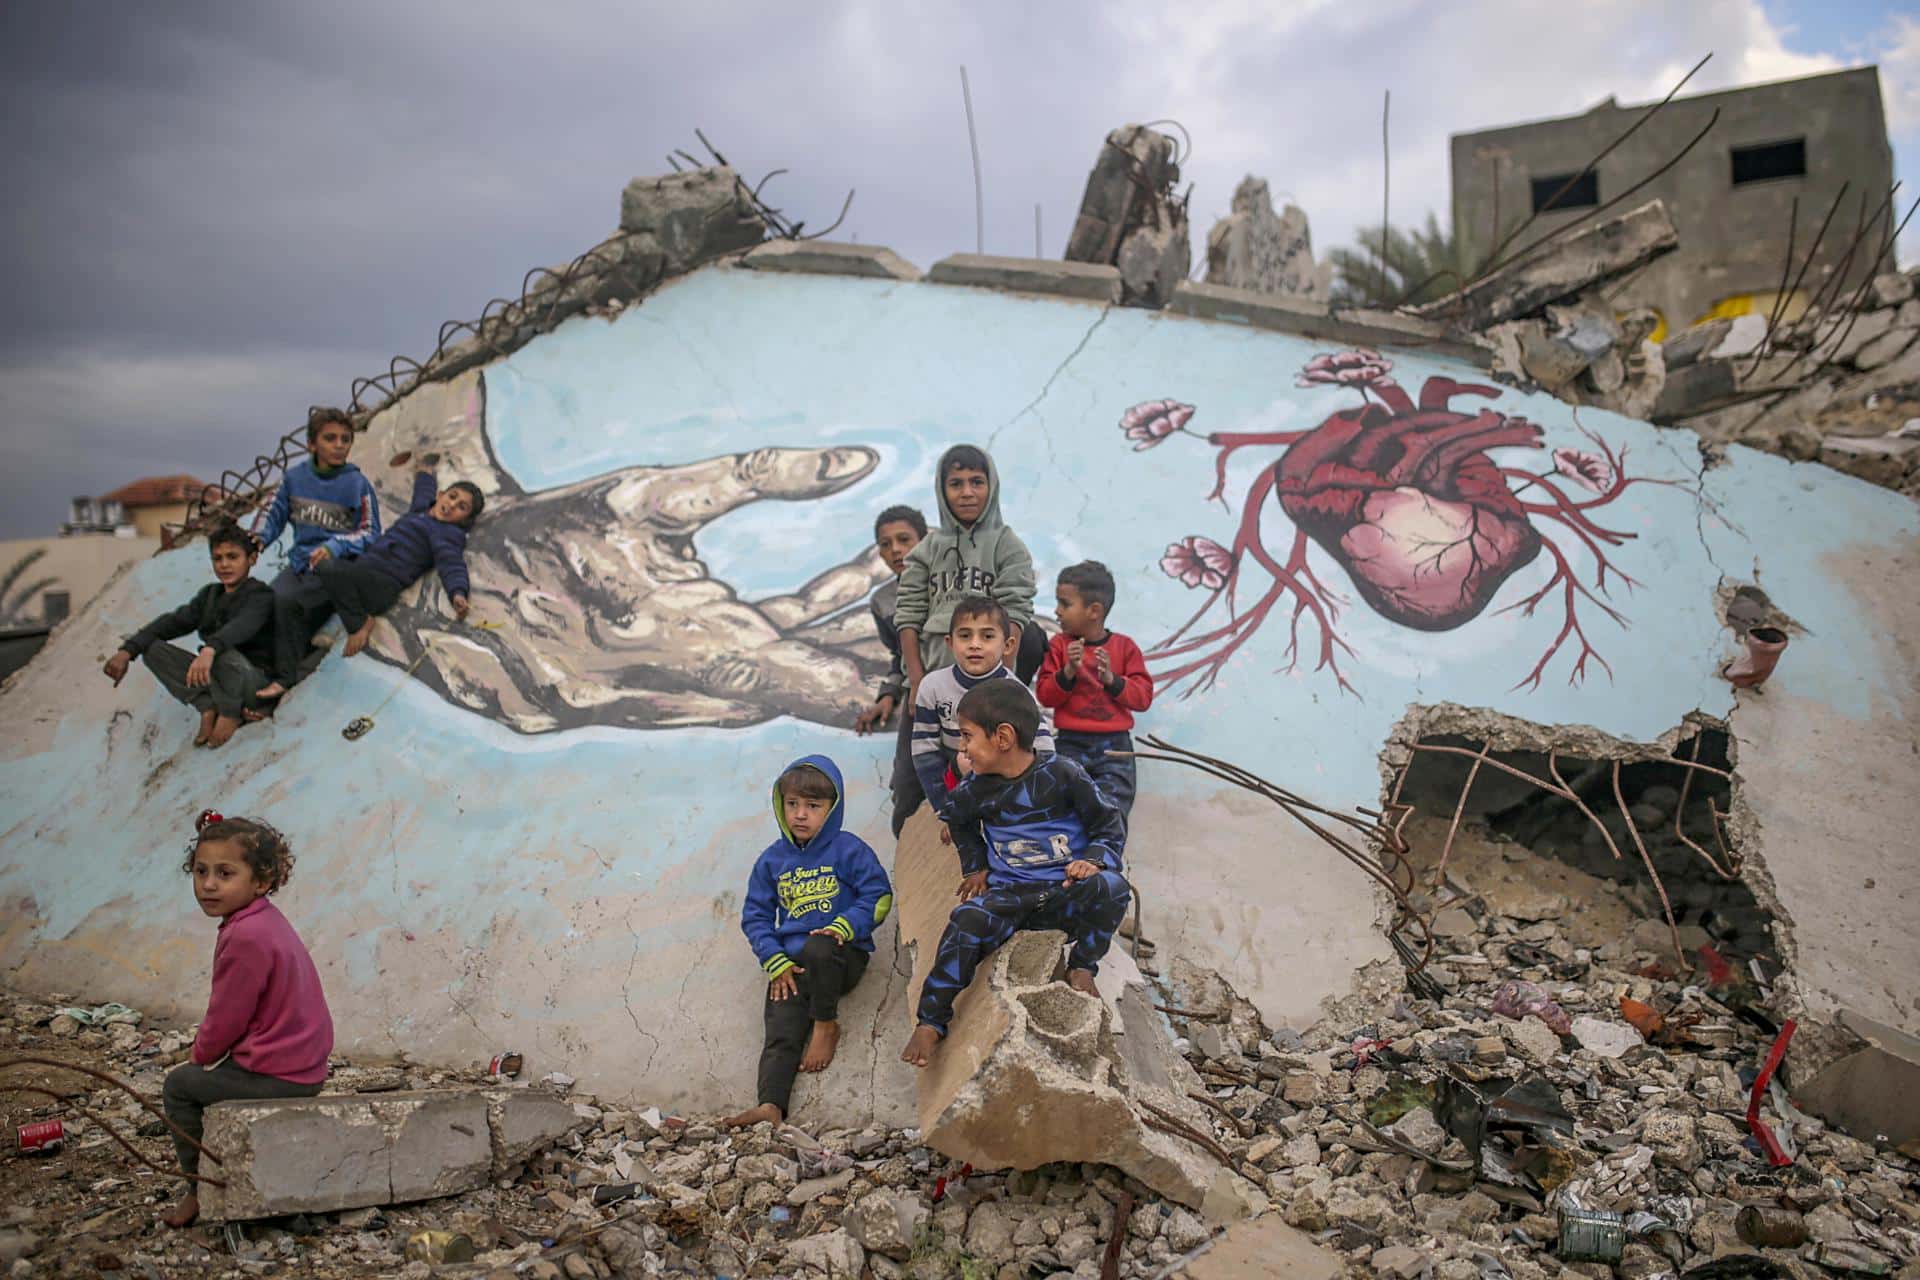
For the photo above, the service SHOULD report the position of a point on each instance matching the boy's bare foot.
(358, 640)
(223, 728)
(753, 1115)
(206, 728)
(920, 1047)
(1081, 980)
(819, 1055)
(265, 703)
(182, 1214)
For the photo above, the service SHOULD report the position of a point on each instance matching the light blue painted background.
(484, 828)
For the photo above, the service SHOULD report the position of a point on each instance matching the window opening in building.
(1583, 194)
(55, 606)
(1769, 161)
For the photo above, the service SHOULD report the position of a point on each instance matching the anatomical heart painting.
(1419, 501)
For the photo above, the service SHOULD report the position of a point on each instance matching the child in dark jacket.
(813, 901)
(433, 534)
(1095, 680)
(234, 618)
(896, 532)
(334, 515)
(1039, 849)
(267, 1033)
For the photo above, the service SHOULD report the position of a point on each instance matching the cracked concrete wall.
(470, 882)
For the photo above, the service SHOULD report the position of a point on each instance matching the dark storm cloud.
(218, 214)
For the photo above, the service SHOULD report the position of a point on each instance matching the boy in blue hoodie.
(1039, 849)
(334, 515)
(432, 535)
(813, 901)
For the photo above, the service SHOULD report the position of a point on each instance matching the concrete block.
(1874, 1093)
(1357, 327)
(1566, 266)
(1093, 281)
(348, 1151)
(523, 1123)
(821, 257)
(1033, 1072)
(693, 215)
(1261, 1248)
(1695, 388)
(304, 1155)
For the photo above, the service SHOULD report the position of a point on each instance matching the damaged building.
(1523, 776)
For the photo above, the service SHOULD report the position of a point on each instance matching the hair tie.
(206, 819)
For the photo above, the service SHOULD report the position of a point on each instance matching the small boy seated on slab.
(1039, 848)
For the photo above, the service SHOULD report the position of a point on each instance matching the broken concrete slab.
(1091, 281)
(692, 215)
(1153, 260)
(1261, 1248)
(1697, 387)
(1873, 1094)
(826, 258)
(1602, 252)
(348, 1151)
(1310, 319)
(1257, 249)
(1134, 162)
(1032, 1072)
(1692, 344)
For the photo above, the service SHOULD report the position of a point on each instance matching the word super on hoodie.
(833, 881)
(337, 511)
(954, 561)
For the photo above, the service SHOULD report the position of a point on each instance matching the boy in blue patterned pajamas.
(813, 901)
(1039, 849)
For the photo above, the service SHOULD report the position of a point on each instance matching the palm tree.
(13, 604)
(1421, 265)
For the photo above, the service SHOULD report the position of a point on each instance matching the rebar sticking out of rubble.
(106, 1128)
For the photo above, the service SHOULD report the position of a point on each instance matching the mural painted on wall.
(596, 608)
(1409, 502)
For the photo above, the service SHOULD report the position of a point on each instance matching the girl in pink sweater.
(267, 1032)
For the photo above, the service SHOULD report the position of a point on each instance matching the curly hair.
(269, 855)
(320, 415)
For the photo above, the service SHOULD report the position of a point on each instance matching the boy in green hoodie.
(972, 553)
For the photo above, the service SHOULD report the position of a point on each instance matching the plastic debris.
(1770, 1145)
(1517, 999)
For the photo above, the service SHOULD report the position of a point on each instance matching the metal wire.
(116, 1082)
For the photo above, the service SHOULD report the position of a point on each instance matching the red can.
(504, 1066)
(43, 1139)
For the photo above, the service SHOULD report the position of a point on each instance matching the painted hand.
(608, 614)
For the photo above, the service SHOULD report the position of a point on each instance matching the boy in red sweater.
(1094, 679)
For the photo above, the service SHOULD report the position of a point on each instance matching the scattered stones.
(1605, 1039)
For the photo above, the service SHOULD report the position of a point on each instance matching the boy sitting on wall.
(1039, 848)
(234, 617)
(813, 901)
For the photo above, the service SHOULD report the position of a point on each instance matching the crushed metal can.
(42, 1139)
(505, 1066)
(435, 1247)
(1765, 1225)
(1591, 1235)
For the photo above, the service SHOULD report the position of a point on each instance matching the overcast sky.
(219, 214)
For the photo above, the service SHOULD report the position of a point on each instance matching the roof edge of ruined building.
(1610, 104)
(155, 491)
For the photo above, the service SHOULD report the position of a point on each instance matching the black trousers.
(191, 1088)
(905, 783)
(832, 971)
(358, 591)
(300, 609)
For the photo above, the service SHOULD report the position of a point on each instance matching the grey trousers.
(233, 684)
(191, 1088)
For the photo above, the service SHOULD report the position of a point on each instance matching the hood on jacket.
(344, 469)
(831, 827)
(989, 516)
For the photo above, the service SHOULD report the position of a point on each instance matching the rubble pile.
(1838, 385)
(1130, 218)
(1558, 1086)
